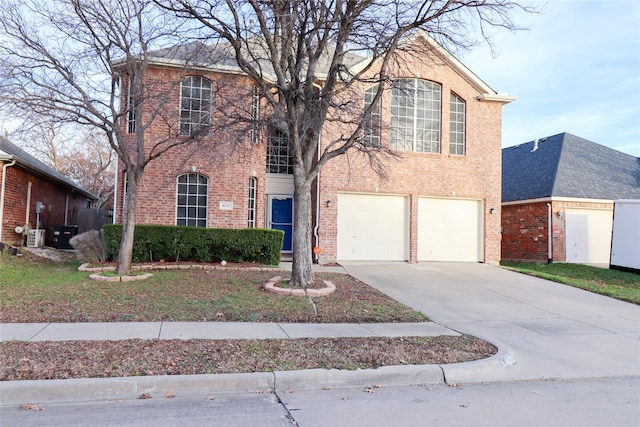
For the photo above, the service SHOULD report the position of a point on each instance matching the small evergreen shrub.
(178, 243)
(89, 246)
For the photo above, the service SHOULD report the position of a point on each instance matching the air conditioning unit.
(35, 238)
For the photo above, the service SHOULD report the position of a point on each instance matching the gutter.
(4, 180)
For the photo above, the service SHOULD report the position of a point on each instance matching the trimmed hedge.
(177, 243)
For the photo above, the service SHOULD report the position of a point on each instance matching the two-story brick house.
(440, 199)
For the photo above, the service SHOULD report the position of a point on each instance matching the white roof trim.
(556, 199)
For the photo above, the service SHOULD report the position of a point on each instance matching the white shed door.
(449, 230)
(372, 227)
(588, 235)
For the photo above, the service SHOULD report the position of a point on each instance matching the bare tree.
(76, 61)
(306, 56)
(79, 153)
(92, 165)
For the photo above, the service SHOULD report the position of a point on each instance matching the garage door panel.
(588, 235)
(449, 230)
(372, 227)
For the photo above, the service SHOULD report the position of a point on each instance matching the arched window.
(195, 105)
(457, 125)
(415, 115)
(373, 118)
(192, 200)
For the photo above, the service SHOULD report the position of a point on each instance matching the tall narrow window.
(279, 158)
(373, 118)
(195, 105)
(415, 115)
(457, 125)
(131, 105)
(255, 114)
(192, 195)
(251, 219)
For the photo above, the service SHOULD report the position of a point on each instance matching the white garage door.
(372, 227)
(588, 235)
(449, 230)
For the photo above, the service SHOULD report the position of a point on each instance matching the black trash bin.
(62, 234)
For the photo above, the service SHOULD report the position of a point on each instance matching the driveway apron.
(544, 330)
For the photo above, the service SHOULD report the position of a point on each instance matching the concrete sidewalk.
(211, 330)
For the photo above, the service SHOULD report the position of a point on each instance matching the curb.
(95, 389)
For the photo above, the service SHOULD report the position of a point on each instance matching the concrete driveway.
(544, 330)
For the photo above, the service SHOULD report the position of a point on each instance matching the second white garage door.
(449, 230)
(372, 227)
(588, 235)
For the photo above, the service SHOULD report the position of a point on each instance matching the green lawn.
(37, 291)
(621, 285)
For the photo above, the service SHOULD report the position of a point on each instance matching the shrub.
(176, 243)
(89, 246)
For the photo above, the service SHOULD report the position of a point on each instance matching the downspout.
(115, 193)
(66, 209)
(550, 234)
(4, 180)
(28, 213)
(316, 257)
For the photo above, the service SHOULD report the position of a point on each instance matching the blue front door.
(282, 219)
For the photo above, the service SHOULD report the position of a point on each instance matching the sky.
(576, 70)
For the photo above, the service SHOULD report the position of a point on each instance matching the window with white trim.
(415, 115)
(131, 106)
(195, 105)
(251, 218)
(279, 158)
(192, 200)
(373, 118)
(457, 125)
(255, 114)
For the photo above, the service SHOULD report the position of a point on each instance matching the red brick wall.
(53, 197)
(525, 232)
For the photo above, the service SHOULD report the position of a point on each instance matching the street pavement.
(588, 344)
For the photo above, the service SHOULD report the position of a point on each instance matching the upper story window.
(279, 158)
(192, 196)
(131, 106)
(373, 119)
(415, 115)
(255, 114)
(457, 125)
(195, 105)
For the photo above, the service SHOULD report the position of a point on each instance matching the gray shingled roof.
(221, 56)
(9, 151)
(565, 165)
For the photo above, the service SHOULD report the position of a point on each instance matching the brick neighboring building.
(570, 183)
(27, 181)
(439, 202)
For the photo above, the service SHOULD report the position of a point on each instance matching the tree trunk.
(302, 271)
(125, 255)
